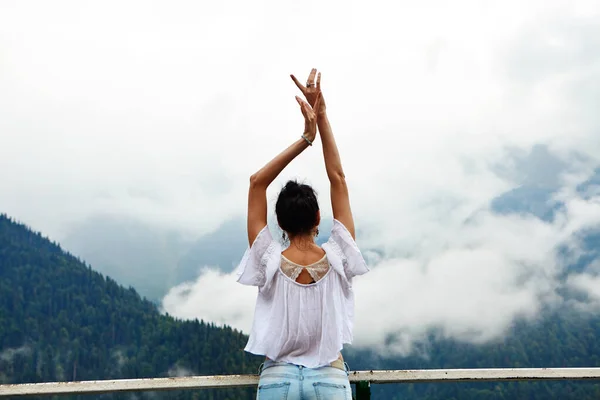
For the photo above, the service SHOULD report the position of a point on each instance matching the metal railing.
(362, 379)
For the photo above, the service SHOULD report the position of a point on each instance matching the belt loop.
(347, 368)
(260, 368)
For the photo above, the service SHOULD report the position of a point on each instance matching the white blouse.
(302, 324)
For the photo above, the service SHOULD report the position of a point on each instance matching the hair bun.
(293, 187)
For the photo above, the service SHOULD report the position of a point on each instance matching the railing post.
(363, 390)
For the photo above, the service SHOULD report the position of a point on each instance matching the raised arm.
(259, 181)
(340, 198)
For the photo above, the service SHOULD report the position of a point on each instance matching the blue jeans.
(283, 381)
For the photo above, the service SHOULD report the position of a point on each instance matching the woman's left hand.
(310, 117)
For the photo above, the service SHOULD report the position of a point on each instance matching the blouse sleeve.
(343, 245)
(252, 270)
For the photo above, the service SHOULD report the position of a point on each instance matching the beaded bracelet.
(307, 140)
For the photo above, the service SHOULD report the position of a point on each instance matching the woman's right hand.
(310, 117)
(311, 90)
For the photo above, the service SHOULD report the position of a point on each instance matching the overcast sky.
(160, 111)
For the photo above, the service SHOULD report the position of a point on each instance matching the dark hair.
(297, 208)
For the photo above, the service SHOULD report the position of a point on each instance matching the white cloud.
(214, 297)
(10, 353)
(161, 111)
(586, 283)
(179, 371)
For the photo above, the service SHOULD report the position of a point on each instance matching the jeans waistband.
(338, 364)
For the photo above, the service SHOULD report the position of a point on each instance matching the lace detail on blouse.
(316, 270)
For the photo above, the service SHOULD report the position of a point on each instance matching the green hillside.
(61, 320)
